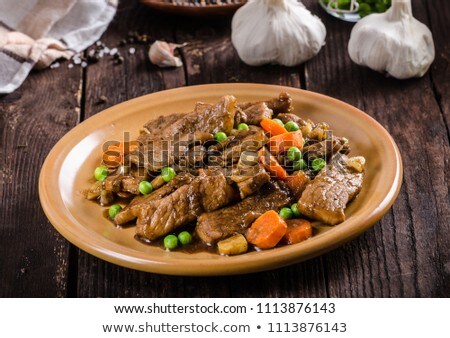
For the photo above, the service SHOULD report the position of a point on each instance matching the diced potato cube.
(357, 163)
(234, 245)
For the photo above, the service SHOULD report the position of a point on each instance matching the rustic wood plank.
(33, 256)
(438, 16)
(211, 58)
(136, 76)
(403, 254)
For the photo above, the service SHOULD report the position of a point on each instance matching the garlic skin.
(393, 42)
(161, 54)
(276, 31)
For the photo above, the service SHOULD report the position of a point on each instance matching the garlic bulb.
(276, 31)
(393, 42)
(161, 54)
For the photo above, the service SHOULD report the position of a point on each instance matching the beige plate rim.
(64, 222)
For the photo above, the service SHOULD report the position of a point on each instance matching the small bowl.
(206, 11)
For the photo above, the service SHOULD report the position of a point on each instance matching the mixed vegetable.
(366, 7)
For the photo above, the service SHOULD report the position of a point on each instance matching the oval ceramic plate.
(68, 170)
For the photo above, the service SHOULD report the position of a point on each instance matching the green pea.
(291, 126)
(286, 213)
(220, 136)
(278, 121)
(167, 173)
(344, 4)
(295, 211)
(100, 173)
(381, 7)
(145, 187)
(170, 242)
(364, 10)
(317, 164)
(114, 210)
(294, 154)
(243, 126)
(184, 237)
(300, 165)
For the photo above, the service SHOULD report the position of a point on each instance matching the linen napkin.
(34, 33)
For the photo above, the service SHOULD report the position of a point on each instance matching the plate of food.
(196, 8)
(220, 179)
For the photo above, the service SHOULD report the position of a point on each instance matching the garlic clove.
(162, 55)
(276, 31)
(393, 42)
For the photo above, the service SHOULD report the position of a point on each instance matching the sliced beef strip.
(215, 190)
(206, 118)
(207, 192)
(285, 118)
(249, 140)
(254, 114)
(131, 184)
(326, 197)
(249, 178)
(129, 213)
(164, 146)
(155, 154)
(94, 191)
(122, 183)
(156, 219)
(220, 224)
(280, 105)
(113, 183)
(159, 124)
(326, 149)
(253, 184)
(239, 117)
(106, 197)
(125, 183)
(297, 183)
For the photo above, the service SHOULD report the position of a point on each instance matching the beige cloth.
(34, 33)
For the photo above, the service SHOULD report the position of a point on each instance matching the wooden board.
(34, 258)
(406, 254)
(393, 259)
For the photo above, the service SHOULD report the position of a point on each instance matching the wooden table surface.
(406, 254)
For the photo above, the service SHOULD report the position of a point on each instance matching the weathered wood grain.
(406, 254)
(33, 256)
(438, 17)
(210, 57)
(136, 76)
(401, 256)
